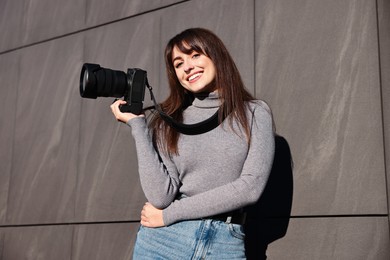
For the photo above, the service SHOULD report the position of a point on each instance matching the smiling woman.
(197, 186)
(195, 71)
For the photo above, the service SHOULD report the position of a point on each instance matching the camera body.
(96, 81)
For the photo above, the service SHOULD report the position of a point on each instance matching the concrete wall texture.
(68, 173)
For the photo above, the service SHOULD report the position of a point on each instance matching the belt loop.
(228, 220)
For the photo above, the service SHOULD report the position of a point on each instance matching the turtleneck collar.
(206, 100)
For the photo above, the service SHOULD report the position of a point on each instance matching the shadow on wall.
(268, 219)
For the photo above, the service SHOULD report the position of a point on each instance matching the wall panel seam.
(71, 223)
(382, 102)
(254, 50)
(138, 221)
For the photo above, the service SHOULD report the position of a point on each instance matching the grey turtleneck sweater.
(215, 172)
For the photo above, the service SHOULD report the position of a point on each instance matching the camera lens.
(87, 83)
(96, 81)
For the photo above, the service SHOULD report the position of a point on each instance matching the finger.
(120, 102)
(117, 103)
(115, 108)
(144, 220)
(145, 224)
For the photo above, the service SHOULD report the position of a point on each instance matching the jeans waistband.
(234, 217)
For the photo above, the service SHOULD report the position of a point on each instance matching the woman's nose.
(188, 66)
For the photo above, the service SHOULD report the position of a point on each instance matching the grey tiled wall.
(68, 174)
(328, 76)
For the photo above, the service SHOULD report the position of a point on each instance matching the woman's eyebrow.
(177, 58)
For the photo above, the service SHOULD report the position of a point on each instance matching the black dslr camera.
(96, 81)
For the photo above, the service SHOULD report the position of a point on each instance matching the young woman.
(198, 185)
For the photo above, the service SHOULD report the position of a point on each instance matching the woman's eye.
(196, 55)
(178, 65)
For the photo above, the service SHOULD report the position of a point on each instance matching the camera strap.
(187, 129)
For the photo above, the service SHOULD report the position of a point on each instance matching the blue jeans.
(192, 239)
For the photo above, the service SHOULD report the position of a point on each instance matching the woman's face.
(195, 71)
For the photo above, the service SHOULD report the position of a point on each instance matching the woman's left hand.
(151, 216)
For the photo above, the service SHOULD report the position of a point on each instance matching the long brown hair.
(229, 85)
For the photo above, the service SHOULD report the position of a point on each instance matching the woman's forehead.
(184, 47)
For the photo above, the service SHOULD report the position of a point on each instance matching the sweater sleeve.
(158, 175)
(241, 192)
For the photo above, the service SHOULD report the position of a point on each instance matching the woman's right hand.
(119, 115)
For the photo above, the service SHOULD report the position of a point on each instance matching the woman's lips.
(194, 76)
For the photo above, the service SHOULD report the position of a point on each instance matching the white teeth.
(194, 76)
